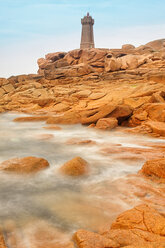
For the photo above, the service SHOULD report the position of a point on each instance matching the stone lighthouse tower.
(87, 37)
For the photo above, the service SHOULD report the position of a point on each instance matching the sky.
(29, 29)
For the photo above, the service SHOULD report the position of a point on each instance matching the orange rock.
(93, 57)
(158, 97)
(154, 167)
(86, 239)
(156, 111)
(130, 61)
(61, 107)
(67, 118)
(92, 125)
(2, 241)
(121, 113)
(128, 47)
(151, 245)
(107, 123)
(156, 44)
(42, 102)
(98, 95)
(24, 165)
(31, 118)
(75, 141)
(156, 127)
(139, 226)
(55, 56)
(75, 167)
(92, 116)
(68, 71)
(53, 127)
(141, 217)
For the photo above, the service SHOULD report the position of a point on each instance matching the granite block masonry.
(87, 36)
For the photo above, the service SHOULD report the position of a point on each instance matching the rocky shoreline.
(103, 89)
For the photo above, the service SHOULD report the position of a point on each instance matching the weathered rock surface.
(31, 118)
(94, 57)
(154, 168)
(107, 123)
(92, 116)
(141, 226)
(67, 118)
(24, 165)
(125, 62)
(68, 71)
(156, 127)
(128, 47)
(75, 167)
(157, 44)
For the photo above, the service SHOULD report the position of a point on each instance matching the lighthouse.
(87, 36)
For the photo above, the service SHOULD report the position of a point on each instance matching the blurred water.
(67, 203)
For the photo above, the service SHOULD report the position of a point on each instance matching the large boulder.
(155, 168)
(93, 115)
(75, 167)
(55, 56)
(150, 111)
(140, 227)
(156, 111)
(107, 123)
(49, 59)
(93, 57)
(53, 61)
(156, 127)
(24, 165)
(68, 71)
(124, 62)
(121, 113)
(42, 63)
(128, 47)
(157, 44)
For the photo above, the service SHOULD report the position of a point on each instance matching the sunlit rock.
(107, 123)
(75, 167)
(154, 168)
(24, 165)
